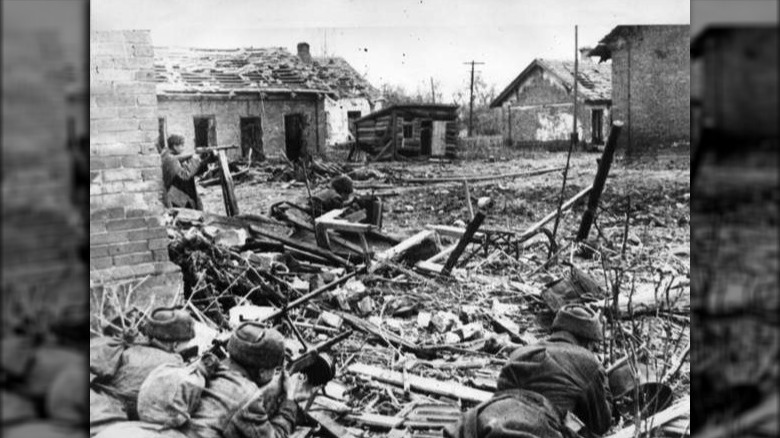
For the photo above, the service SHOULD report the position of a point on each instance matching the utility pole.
(433, 92)
(471, 95)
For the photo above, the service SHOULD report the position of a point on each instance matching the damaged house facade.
(650, 86)
(410, 130)
(264, 100)
(538, 106)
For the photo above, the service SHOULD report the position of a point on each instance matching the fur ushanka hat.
(256, 347)
(169, 324)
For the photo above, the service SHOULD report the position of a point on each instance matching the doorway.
(205, 131)
(426, 135)
(252, 138)
(293, 136)
(597, 126)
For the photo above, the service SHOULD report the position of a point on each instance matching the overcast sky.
(404, 42)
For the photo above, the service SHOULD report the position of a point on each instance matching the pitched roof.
(252, 70)
(594, 80)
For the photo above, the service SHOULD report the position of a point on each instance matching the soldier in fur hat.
(120, 367)
(339, 195)
(541, 384)
(234, 404)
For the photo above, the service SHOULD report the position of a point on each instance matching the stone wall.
(128, 242)
(41, 227)
(179, 111)
(651, 88)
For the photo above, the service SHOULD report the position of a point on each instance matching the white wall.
(336, 110)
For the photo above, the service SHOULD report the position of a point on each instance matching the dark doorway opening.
(597, 126)
(252, 138)
(293, 136)
(426, 135)
(351, 117)
(205, 131)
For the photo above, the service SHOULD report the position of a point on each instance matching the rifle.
(315, 364)
(204, 149)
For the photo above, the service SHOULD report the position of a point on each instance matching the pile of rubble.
(414, 335)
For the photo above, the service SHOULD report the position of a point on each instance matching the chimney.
(584, 57)
(303, 52)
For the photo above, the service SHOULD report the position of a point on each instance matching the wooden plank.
(456, 232)
(400, 249)
(431, 267)
(565, 207)
(421, 384)
(228, 192)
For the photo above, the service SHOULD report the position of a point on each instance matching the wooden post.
(463, 242)
(599, 182)
(394, 129)
(226, 179)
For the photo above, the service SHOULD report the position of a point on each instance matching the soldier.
(338, 195)
(541, 384)
(234, 405)
(179, 189)
(120, 369)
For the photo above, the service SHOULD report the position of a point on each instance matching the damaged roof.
(594, 80)
(253, 70)
(624, 31)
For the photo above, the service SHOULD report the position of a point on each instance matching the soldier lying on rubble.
(240, 398)
(543, 384)
(120, 366)
(179, 189)
(338, 195)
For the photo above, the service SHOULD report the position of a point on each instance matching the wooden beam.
(599, 181)
(421, 384)
(228, 192)
(565, 207)
(463, 242)
(400, 249)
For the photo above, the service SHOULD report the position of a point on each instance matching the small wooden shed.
(421, 130)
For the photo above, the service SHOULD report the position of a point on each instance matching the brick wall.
(127, 239)
(41, 228)
(179, 112)
(651, 88)
(550, 123)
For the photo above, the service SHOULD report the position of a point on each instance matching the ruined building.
(264, 100)
(650, 86)
(538, 106)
